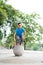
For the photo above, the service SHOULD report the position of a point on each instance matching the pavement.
(29, 57)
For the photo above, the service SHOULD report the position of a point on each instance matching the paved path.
(29, 58)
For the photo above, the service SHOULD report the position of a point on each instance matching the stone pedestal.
(18, 50)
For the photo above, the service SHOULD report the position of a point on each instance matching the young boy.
(19, 34)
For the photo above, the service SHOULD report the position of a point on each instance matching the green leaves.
(3, 16)
(1, 35)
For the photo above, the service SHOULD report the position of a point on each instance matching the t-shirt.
(19, 31)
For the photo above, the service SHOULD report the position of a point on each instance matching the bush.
(1, 44)
(34, 47)
(7, 45)
(41, 45)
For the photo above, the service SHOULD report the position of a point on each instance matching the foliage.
(35, 46)
(3, 14)
(1, 35)
(42, 45)
(1, 44)
(7, 45)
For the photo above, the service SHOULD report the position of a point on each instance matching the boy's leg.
(18, 40)
(21, 42)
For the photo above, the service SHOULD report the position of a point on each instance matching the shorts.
(19, 40)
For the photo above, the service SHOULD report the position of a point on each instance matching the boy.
(19, 34)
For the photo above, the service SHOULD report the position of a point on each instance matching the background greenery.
(9, 17)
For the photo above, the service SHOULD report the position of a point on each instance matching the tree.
(3, 14)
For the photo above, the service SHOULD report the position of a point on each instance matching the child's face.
(19, 25)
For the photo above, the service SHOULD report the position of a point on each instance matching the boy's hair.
(19, 23)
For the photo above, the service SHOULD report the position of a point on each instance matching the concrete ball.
(18, 50)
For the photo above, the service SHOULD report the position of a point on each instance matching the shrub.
(35, 47)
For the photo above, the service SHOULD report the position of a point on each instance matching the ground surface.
(29, 57)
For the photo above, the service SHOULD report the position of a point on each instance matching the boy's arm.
(14, 35)
(25, 33)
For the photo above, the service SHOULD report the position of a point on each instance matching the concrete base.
(18, 50)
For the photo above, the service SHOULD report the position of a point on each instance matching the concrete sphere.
(18, 50)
